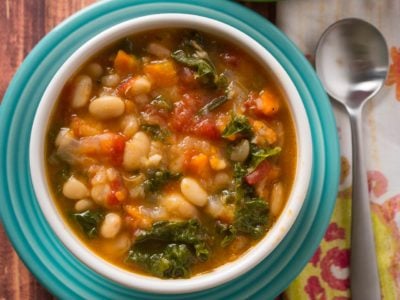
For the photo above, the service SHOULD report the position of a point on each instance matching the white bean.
(136, 151)
(193, 191)
(99, 193)
(95, 70)
(75, 189)
(117, 246)
(158, 50)
(240, 151)
(276, 200)
(111, 225)
(107, 107)
(177, 206)
(83, 205)
(111, 80)
(130, 125)
(139, 85)
(82, 91)
(154, 160)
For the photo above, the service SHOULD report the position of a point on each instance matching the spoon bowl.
(352, 62)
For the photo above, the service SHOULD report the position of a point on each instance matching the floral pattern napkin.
(327, 274)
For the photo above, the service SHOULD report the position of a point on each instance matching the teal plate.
(43, 253)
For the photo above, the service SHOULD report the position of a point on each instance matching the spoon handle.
(364, 278)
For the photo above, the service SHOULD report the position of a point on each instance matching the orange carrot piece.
(267, 103)
(85, 127)
(161, 73)
(125, 63)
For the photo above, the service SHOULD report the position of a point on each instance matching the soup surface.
(171, 153)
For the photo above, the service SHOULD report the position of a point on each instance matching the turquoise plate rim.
(43, 253)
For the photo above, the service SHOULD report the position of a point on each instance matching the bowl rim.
(227, 271)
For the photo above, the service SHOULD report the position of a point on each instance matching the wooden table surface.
(23, 23)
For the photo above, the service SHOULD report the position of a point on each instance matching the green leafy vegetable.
(156, 179)
(251, 213)
(155, 131)
(228, 232)
(197, 58)
(89, 222)
(239, 171)
(189, 232)
(173, 262)
(161, 103)
(242, 189)
(251, 217)
(239, 124)
(258, 155)
(202, 66)
(213, 104)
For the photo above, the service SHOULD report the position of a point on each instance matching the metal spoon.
(352, 62)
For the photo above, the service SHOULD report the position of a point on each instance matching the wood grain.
(23, 24)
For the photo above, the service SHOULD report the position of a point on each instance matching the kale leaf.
(156, 132)
(169, 249)
(203, 67)
(195, 57)
(251, 217)
(242, 189)
(184, 232)
(239, 124)
(89, 222)
(228, 233)
(258, 155)
(156, 179)
(251, 213)
(239, 171)
(173, 262)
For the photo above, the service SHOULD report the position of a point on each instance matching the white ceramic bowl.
(228, 271)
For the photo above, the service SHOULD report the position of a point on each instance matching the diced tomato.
(259, 173)
(182, 116)
(207, 128)
(117, 150)
(185, 119)
(118, 192)
(107, 147)
(112, 199)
